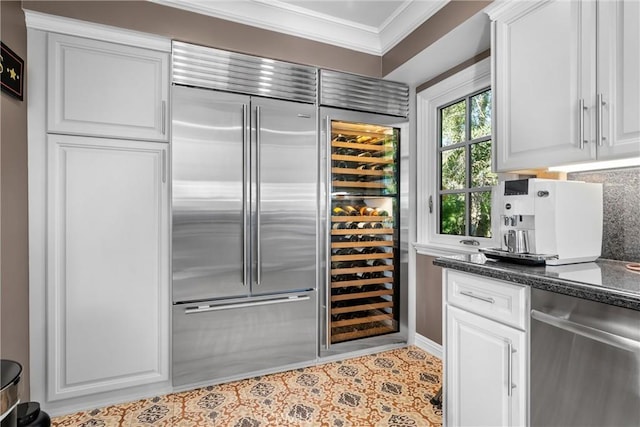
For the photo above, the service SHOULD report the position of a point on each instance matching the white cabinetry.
(99, 293)
(106, 89)
(107, 279)
(485, 351)
(566, 82)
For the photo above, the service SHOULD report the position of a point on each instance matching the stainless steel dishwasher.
(585, 362)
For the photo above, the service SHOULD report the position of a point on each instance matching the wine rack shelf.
(369, 172)
(360, 282)
(360, 295)
(358, 184)
(362, 159)
(362, 307)
(358, 146)
(336, 245)
(360, 218)
(364, 319)
(357, 257)
(346, 334)
(364, 231)
(355, 270)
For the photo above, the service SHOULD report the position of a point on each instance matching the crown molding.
(409, 17)
(75, 27)
(297, 21)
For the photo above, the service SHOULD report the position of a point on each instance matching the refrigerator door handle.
(207, 308)
(258, 184)
(245, 196)
(327, 294)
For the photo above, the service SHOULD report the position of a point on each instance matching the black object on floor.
(437, 399)
(30, 415)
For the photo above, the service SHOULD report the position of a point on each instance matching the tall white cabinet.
(566, 80)
(485, 351)
(99, 214)
(107, 281)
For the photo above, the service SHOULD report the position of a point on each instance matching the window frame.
(466, 83)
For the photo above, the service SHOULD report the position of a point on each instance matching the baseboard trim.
(427, 345)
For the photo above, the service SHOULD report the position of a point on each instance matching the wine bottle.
(364, 225)
(338, 211)
(338, 226)
(366, 211)
(377, 225)
(351, 210)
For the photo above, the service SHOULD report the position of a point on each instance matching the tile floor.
(392, 388)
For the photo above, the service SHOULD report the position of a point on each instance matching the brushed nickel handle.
(207, 308)
(472, 295)
(600, 131)
(164, 117)
(581, 136)
(258, 185)
(245, 194)
(510, 384)
(164, 166)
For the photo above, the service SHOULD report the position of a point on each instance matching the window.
(454, 178)
(464, 166)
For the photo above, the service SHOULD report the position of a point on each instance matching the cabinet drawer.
(230, 339)
(494, 299)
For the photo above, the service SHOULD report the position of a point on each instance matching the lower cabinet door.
(485, 372)
(213, 341)
(107, 265)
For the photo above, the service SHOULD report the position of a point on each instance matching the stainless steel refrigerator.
(245, 207)
(363, 300)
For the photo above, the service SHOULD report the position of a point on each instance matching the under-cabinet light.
(608, 164)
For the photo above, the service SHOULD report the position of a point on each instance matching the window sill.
(441, 250)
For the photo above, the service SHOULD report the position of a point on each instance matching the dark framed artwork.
(11, 72)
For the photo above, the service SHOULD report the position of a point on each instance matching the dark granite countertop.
(604, 280)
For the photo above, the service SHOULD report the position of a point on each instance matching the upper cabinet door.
(619, 79)
(544, 72)
(106, 89)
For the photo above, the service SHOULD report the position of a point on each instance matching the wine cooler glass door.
(362, 297)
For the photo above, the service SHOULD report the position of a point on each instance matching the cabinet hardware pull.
(471, 242)
(430, 204)
(485, 299)
(164, 117)
(245, 197)
(510, 384)
(164, 166)
(258, 185)
(206, 308)
(600, 132)
(581, 130)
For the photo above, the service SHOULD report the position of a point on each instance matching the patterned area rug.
(392, 388)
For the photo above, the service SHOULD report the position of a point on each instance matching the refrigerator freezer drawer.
(216, 341)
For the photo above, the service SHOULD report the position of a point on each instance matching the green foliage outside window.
(472, 176)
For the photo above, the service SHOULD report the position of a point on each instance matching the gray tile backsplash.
(621, 228)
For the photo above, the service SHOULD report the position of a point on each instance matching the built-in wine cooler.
(364, 280)
(364, 234)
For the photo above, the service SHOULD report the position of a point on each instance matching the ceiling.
(369, 26)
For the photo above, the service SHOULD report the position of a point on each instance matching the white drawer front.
(494, 299)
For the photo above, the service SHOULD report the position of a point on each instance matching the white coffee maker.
(549, 221)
